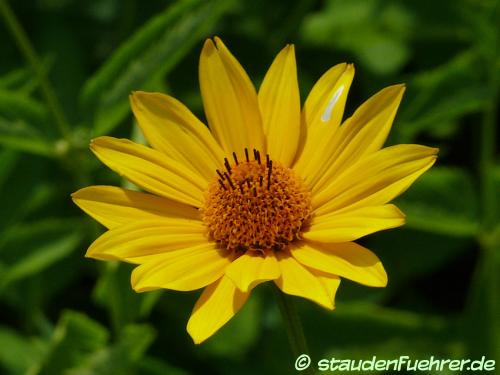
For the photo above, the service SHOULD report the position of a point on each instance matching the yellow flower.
(270, 192)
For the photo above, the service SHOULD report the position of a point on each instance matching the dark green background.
(64, 314)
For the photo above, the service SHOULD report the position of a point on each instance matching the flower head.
(270, 193)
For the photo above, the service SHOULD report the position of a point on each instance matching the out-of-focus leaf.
(495, 175)
(19, 135)
(26, 188)
(74, 339)
(437, 98)
(120, 358)
(26, 250)
(442, 201)
(153, 366)
(67, 70)
(483, 308)
(34, 200)
(16, 106)
(375, 32)
(23, 80)
(150, 53)
(411, 255)
(8, 159)
(41, 255)
(15, 78)
(17, 352)
(357, 330)
(113, 291)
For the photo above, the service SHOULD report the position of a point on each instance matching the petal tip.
(197, 339)
(384, 280)
(219, 44)
(208, 47)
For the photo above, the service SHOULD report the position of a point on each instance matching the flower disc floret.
(256, 205)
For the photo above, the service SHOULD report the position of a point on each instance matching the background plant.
(66, 70)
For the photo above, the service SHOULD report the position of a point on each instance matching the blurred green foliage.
(63, 314)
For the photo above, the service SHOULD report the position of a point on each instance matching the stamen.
(229, 180)
(220, 174)
(222, 184)
(242, 215)
(226, 164)
(269, 171)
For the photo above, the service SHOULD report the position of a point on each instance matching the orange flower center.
(256, 204)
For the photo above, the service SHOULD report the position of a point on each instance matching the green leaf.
(22, 80)
(74, 339)
(153, 366)
(20, 135)
(15, 106)
(120, 358)
(15, 78)
(17, 351)
(438, 98)
(374, 32)
(31, 199)
(43, 256)
(114, 292)
(442, 201)
(481, 318)
(385, 333)
(23, 124)
(150, 53)
(8, 160)
(495, 175)
(358, 330)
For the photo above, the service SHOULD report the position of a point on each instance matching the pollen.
(256, 204)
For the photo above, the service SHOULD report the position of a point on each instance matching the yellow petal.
(113, 206)
(230, 100)
(217, 304)
(330, 282)
(376, 179)
(321, 116)
(150, 170)
(326, 101)
(186, 269)
(362, 134)
(251, 269)
(349, 225)
(349, 260)
(297, 280)
(279, 102)
(131, 241)
(172, 129)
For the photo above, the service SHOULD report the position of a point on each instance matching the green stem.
(293, 326)
(488, 281)
(30, 55)
(487, 157)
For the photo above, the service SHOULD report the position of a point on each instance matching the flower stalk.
(291, 319)
(31, 56)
